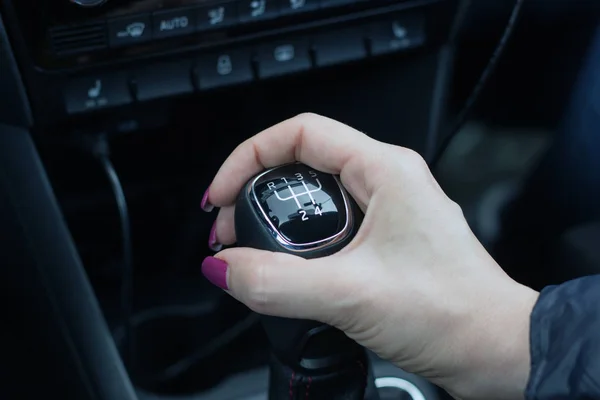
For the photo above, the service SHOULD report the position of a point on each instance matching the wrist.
(495, 360)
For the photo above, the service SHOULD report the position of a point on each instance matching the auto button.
(174, 23)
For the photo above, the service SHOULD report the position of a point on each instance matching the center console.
(83, 57)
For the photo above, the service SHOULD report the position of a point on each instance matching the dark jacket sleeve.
(565, 342)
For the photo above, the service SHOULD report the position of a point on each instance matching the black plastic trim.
(14, 105)
(50, 292)
(242, 40)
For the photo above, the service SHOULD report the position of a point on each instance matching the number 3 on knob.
(299, 176)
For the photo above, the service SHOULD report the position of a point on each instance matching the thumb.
(275, 283)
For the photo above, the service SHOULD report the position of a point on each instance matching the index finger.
(320, 142)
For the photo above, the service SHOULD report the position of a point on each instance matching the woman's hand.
(415, 285)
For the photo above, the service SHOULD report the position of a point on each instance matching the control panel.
(243, 64)
(68, 33)
(96, 55)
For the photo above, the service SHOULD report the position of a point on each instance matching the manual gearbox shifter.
(298, 210)
(295, 209)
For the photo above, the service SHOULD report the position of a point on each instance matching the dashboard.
(98, 55)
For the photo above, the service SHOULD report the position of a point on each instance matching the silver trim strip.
(402, 384)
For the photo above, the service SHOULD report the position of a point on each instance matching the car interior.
(116, 114)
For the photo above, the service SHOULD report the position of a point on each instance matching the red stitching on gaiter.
(291, 385)
(308, 387)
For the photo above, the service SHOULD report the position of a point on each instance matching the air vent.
(68, 40)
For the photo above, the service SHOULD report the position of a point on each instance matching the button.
(173, 23)
(252, 10)
(400, 33)
(166, 79)
(340, 46)
(129, 30)
(96, 92)
(283, 58)
(298, 6)
(224, 69)
(217, 16)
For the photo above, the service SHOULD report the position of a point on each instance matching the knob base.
(347, 383)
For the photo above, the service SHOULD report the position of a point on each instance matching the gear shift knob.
(297, 210)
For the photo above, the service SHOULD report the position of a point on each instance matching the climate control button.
(217, 16)
(96, 92)
(174, 23)
(298, 6)
(130, 30)
(256, 10)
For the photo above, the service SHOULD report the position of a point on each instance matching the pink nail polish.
(213, 242)
(215, 271)
(205, 204)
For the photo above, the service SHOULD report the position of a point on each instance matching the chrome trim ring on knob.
(302, 247)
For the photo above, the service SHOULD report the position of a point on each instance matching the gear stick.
(297, 210)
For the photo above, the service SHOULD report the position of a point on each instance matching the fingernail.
(205, 204)
(215, 271)
(213, 242)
